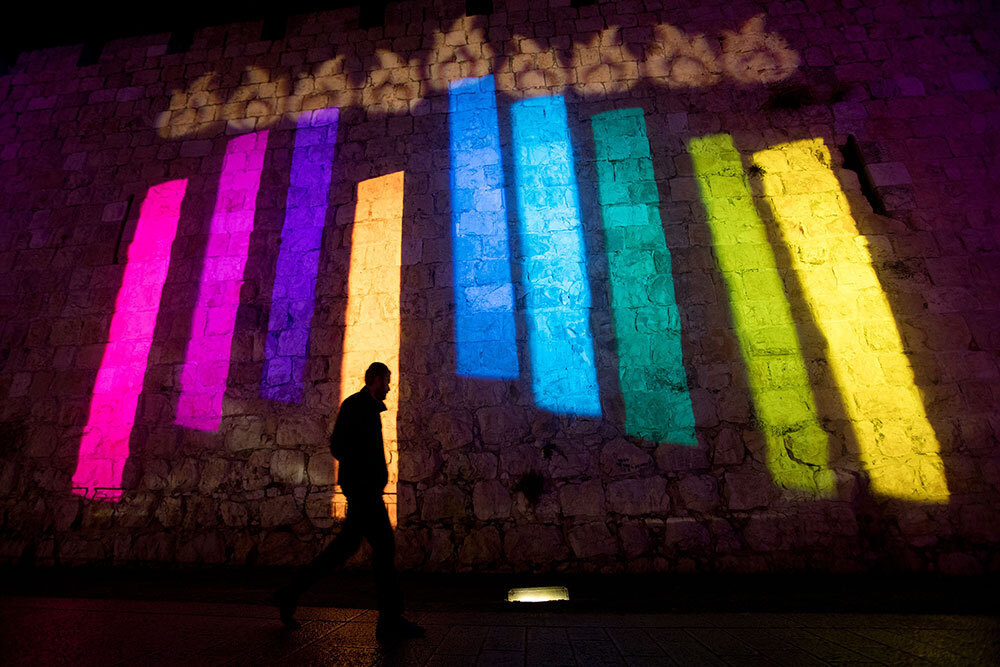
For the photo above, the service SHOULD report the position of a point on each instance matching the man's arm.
(343, 428)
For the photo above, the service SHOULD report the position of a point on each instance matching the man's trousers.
(366, 517)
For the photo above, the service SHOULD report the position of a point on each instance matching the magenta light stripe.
(206, 364)
(105, 443)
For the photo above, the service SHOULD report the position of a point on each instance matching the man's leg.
(333, 556)
(378, 532)
(391, 624)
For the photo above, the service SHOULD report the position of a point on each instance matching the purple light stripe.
(206, 365)
(104, 447)
(293, 296)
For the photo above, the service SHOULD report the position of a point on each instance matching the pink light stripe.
(104, 446)
(206, 364)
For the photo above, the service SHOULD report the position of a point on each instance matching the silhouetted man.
(356, 443)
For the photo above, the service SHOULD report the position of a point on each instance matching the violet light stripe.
(293, 296)
(104, 447)
(206, 363)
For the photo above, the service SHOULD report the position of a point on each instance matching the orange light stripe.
(372, 330)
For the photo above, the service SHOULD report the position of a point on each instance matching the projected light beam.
(484, 296)
(865, 352)
(104, 447)
(373, 304)
(647, 321)
(797, 447)
(564, 378)
(206, 364)
(293, 295)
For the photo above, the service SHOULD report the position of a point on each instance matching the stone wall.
(737, 309)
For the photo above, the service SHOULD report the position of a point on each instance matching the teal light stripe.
(647, 322)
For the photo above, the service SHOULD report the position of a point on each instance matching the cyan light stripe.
(647, 322)
(293, 296)
(485, 334)
(564, 378)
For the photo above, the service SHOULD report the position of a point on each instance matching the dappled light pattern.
(554, 269)
(206, 364)
(832, 262)
(797, 446)
(104, 447)
(647, 322)
(668, 56)
(485, 334)
(372, 330)
(293, 296)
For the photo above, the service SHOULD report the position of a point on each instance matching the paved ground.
(105, 632)
(201, 616)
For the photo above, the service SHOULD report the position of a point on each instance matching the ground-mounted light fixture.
(538, 594)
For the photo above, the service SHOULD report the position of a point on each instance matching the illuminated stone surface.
(833, 263)
(294, 293)
(206, 365)
(554, 270)
(104, 447)
(372, 318)
(797, 446)
(484, 295)
(910, 85)
(647, 320)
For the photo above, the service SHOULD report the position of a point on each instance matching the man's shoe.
(396, 628)
(286, 603)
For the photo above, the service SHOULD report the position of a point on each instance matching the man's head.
(377, 380)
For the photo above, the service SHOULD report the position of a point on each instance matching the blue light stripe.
(564, 378)
(485, 333)
(286, 349)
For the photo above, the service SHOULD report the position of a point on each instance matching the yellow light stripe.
(797, 446)
(373, 315)
(896, 441)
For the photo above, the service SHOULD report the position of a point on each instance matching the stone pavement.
(104, 632)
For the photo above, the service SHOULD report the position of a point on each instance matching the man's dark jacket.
(356, 443)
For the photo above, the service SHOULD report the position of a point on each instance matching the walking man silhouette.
(357, 445)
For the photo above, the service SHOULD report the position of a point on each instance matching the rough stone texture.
(909, 90)
(639, 496)
(699, 493)
(491, 500)
(592, 539)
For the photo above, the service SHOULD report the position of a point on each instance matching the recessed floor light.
(538, 594)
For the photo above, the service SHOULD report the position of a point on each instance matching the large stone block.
(748, 490)
(279, 511)
(699, 493)
(634, 497)
(443, 503)
(584, 499)
(621, 458)
(685, 535)
(481, 546)
(491, 500)
(203, 548)
(233, 514)
(592, 539)
(534, 544)
(418, 463)
(321, 469)
(288, 466)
